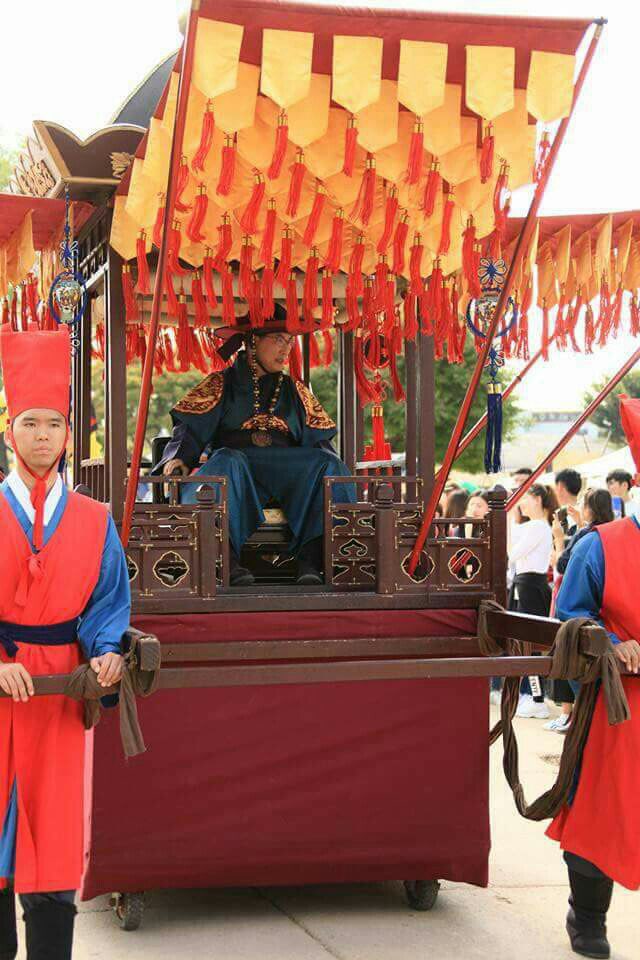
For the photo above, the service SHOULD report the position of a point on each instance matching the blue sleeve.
(580, 593)
(107, 615)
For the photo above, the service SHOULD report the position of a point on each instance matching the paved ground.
(520, 916)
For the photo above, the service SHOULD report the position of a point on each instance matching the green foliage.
(606, 417)
(8, 160)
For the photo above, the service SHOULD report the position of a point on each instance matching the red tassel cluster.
(445, 233)
(487, 154)
(295, 361)
(379, 449)
(128, 294)
(416, 152)
(181, 185)
(310, 291)
(207, 273)
(249, 219)
(431, 301)
(366, 390)
(228, 307)
(542, 156)
(143, 283)
(399, 243)
(173, 251)
(416, 284)
(206, 139)
(228, 167)
(156, 234)
(293, 318)
(172, 300)
(194, 227)
(432, 189)
(283, 274)
(589, 330)
(314, 216)
(364, 204)
(471, 259)
(225, 242)
(334, 253)
(280, 148)
(634, 317)
(350, 141)
(295, 186)
(268, 236)
(199, 302)
(327, 301)
(501, 210)
(390, 213)
(246, 268)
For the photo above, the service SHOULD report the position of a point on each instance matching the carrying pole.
(573, 429)
(146, 386)
(522, 246)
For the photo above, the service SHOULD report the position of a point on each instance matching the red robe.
(42, 742)
(602, 824)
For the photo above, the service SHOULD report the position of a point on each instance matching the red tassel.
(366, 391)
(295, 186)
(486, 155)
(266, 250)
(283, 274)
(199, 303)
(295, 361)
(393, 349)
(280, 148)
(228, 167)
(445, 235)
(327, 300)
(30, 289)
(255, 302)
(314, 352)
(364, 204)
(130, 303)
(143, 285)
(196, 353)
(355, 266)
(98, 351)
(194, 226)
(266, 292)
(368, 301)
(416, 152)
(225, 242)
(181, 185)
(246, 268)
(432, 189)
(206, 138)
(390, 213)
(545, 331)
(604, 313)
(589, 330)
(327, 359)
(634, 316)
(350, 141)
(207, 272)
(172, 300)
(173, 251)
(183, 336)
(293, 319)
(310, 292)
(249, 219)
(228, 311)
(469, 260)
(14, 310)
(378, 449)
(399, 243)
(314, 216)
(431, 301)
(156, 234)
(544, 148)
(334, 254)
(382, 271)
(616, 311)
(410, 317)
(353, 310)
(415, 265)
(141, 348)
(390, 302)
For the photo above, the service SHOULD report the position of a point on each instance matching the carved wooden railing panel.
(92, 475)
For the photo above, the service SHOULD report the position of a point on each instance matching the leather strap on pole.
(577, 654)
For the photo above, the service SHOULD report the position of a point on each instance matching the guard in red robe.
(63, 596)
(599, 831)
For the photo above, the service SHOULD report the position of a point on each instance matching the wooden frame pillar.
(81, 403)
(426, 427)
(347, 401)
(411, 420)
(115, 364)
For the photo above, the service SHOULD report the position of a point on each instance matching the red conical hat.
(36, 369)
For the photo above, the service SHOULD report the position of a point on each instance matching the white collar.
(23, 495)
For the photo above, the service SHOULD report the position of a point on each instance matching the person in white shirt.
(619, 483)
(530, 554)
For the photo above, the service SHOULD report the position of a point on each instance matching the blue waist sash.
(52, 635)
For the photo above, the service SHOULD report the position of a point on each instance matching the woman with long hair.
(530, 554)
(456, 508)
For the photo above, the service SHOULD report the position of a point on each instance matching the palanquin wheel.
(129, 909)
(421, 894)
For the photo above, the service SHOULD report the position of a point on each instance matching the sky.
(76, 62)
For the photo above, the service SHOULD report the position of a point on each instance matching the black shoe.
(8, 933)
(239, 576)
(49, 927)
(587, 918)
(310, 563)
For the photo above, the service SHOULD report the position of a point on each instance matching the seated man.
(271, 439)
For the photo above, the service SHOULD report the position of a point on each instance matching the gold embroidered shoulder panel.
(204, 397)
(316, 416)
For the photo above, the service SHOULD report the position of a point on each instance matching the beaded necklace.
(261, 437)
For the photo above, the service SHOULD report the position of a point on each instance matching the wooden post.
(207, 541)
(81, 410)
(426, 416)
(385, 538)
(116, 387)
(411, 422)
(498, 544)
(347, 401)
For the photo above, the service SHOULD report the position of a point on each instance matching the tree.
(8, 160)
(451, 384)
(606, 417)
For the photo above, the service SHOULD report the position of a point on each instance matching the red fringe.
(445, 235)
(327, 359)
(283, 273)
(366, 392)
(266, 292)
(390, 302)
(206, 138)
(141, 346)
(128, 294)
(431, 190)
(410, 317)
(416, 152)
(266, 250)
(280, 148)
(98, 351)
(228, 311)
(378, 449)
(355, 266)
(334, 254)
(310, 292)
(143, 285)
(353, 310)
(228, 167)
(156, 234)
(541, 158)
(390, 213)
(415, 265)
(314, 352)
(172, 300)
(183, 337)
(181, 186)
(293, 318)
(173, 252)
(30, 288)
(255, 301)
(200, 206)
(327, 300)
(616, 311)
(314, 216)
(470, 260)
(604, 314)
(486, 155)
(634, 316)
(295, 361)
(364, 204)
(589, 330)
(246, 268)
(399, 244)
(382, 271)
(207, 272)
(350, 141)
(545, 331)
(431, 301)
(249, 219)
(199, 303)
(393, 349)
(295, 184)
(225, 242)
